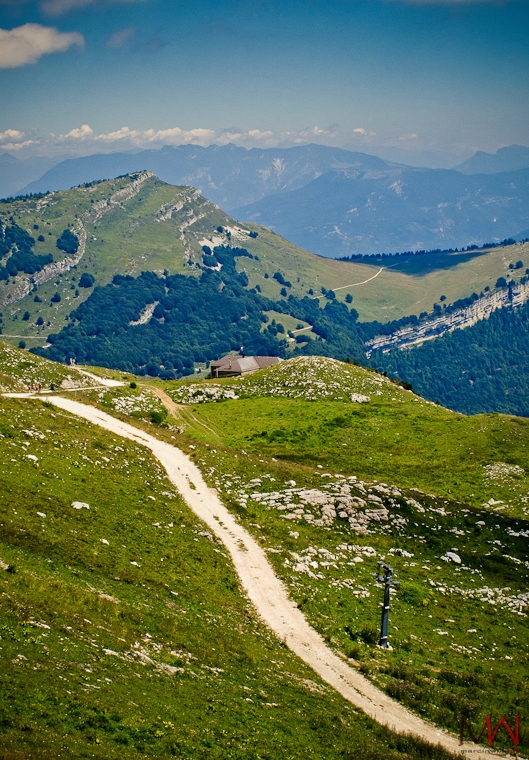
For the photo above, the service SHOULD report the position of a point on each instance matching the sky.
(394, 77)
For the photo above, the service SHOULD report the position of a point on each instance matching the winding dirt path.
(171, 406)
(179, 411)
(266, 591)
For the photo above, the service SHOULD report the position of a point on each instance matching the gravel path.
(266, 591)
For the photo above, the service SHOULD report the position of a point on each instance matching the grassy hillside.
(332, 468)
(107, 648)
(332, 485)
(20, 369)
(138, 223)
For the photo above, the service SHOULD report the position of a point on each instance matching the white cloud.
(27, 43)
(83, 140)
(12, 139)
(79, 134)
(125, 137)
(11, 134)
(121, 38)
(364, 132)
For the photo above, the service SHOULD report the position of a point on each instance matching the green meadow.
(123, 628)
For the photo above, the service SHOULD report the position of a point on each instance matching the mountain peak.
(509, 158)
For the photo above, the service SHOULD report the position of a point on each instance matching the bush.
(26, 316)
(209, 261)
(253, 234)
(133, 384)
(86, 281)
(68, 242)
(158, 417)
(501, 282)
(40, 321)
(412, 594)
(348, 298)
(56, 298)
(22, 344)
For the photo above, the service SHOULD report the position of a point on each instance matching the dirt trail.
(177, 410)
(266, 591)
(167, 401)
(103, 380)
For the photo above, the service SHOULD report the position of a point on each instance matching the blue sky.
(78, 76)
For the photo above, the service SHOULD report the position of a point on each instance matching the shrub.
(133, 384)
(22, 344)
(412, 594)
(501, 282)
(68, 242)
(26, 316)
(86, 281)
(56, 298)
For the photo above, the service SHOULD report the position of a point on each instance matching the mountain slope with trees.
(484, 368)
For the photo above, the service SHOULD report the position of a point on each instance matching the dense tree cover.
(369, 258)
(17, 242)
(195, 320)
(484, 368)
(68, 242)
(30, 197)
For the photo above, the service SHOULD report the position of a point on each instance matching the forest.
(484, 368)
(17, 242)
(195, 320)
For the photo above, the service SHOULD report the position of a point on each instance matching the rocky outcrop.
(510, 297)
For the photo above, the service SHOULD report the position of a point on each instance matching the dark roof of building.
(244, 363)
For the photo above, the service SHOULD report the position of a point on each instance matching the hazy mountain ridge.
(504, 160)
(228, 175)
(331, 201)
(15, 173)
(351, 211)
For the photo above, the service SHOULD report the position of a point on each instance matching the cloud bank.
(126, 138)
(84, 140)
(26, 44)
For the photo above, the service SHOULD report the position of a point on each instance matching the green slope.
(123, 630)
(138, 223)
(332, 468)
(287, 455)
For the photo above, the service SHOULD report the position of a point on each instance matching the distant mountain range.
(397, 208)
(227, 175)
(504, 160)
(14, 173)
(331, 201)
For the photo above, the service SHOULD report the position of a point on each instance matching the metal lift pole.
(386, 579)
